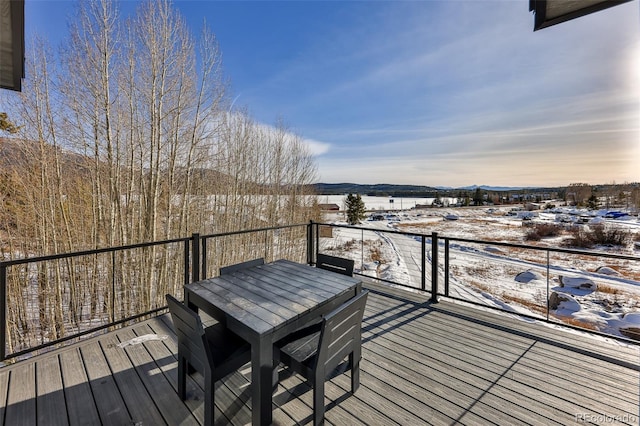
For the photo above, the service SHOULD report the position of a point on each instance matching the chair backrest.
(335, 264)
(190, 334)
(341, 332)
(248, 264)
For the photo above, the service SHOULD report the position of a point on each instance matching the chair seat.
(302, 350)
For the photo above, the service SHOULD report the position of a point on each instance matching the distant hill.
(16, 154)
(390, 190)
(496, 188)
(490, 188)
(381, 190)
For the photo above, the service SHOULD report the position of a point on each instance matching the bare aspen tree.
(129, 138)
(91, 63)
(168, 100)
(265, 168)
(41, 189)
(205, 117)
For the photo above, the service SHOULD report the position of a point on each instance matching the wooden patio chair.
(335, 264)
(214, 351)
(318, 350)
(248, 264)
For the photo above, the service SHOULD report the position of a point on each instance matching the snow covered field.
(587, 289)
(384, 203)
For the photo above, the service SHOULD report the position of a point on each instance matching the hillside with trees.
(382, 190)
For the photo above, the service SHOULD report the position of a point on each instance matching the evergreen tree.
(477, 197)
(593, 202)
(355, 209)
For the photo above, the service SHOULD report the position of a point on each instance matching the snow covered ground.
(585, 289)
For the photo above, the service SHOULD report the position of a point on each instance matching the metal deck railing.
(46, 301)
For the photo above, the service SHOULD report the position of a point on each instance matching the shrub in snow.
(598, 234)
(542, 230)
(583, 283)
(607, 235)
(525, 277)
(579, 238)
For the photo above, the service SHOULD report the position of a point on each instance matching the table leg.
(261, 382)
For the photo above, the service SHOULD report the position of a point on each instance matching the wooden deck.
(422, 363)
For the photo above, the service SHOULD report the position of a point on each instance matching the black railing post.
(434, 267)
(310, 243)
(446, 267)
(3, 312)
(203, 257)
(195, 257)
(361, 250)
(113, 287)
(316, 239)
(187, 254)
(266, 243)
(548, 283)
(423, 272)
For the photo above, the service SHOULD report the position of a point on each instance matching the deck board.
(139, 402)
(50, 401)
(4, 388)
(110, 404)
(423, 363)
(21, 398)
(169, 404)
(80, 403)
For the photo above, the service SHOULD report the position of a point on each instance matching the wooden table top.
(267, 297)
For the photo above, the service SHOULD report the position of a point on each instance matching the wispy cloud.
(317, 147)
(515, 108)
(463, 92)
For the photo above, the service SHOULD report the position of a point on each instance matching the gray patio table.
(263, 304)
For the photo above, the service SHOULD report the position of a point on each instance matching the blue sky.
(440, 93)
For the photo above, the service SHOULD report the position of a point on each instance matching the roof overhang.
(11, 44)
(551, 12)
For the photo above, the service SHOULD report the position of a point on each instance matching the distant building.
(329, 207)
